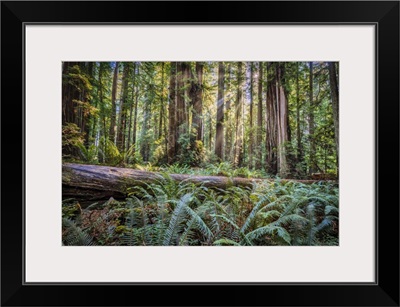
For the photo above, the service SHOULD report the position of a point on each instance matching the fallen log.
(95, 182)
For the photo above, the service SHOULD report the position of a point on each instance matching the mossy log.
(95, 182)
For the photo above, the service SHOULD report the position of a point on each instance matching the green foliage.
(167, 212)
(78, 79)
(149, 167)
(178, 169)
(110, 152)
(102, 224)
(71, 210)
(160, 156)
(218, 169)
(246, 173)
(192, 151)
(72, 138)
(74, 235)
(176, 220)
(89, 154)
(113, 156)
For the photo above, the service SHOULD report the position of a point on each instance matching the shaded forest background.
(182, 134)
(266, 118)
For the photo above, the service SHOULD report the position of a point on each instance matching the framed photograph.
(241, 153)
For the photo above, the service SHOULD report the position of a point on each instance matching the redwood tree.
(196, 96)
(113, 116)
(172, 116)
(335, 101)
(311, 124)
(123, 108)
(251, 141)
(282, 121)
(238, 154)
(219, 134)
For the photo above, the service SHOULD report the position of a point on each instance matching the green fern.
(262, 202)
(225, 241)
(74, 235)
(186, 235)
(269, 230)
(89, 154)
(168, 212)
(199, 223)
(175, 220)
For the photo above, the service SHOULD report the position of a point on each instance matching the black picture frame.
(383, 14)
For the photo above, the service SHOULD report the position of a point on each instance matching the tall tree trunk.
(271, 125)
(172, 116)
(123, 109)
(238, 155)
(259, 115)
(196, 95)
(111, 134)
(227, 118)
(103, 130)
(282, 122)
(186, 79)
(128, 145)
(94, 130)
(219, 135)
(311, 123)
(210, 132)
(180, 104)
(242, 155)
(251, 141)
(74, 101)
(69, 94)
(161, 118)
(145, 143)
(298, 128)
(87, 116)
(135, 112)
(335, 102)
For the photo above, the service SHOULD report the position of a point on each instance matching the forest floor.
(166, 211)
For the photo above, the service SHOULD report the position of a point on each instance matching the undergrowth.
(166, 212)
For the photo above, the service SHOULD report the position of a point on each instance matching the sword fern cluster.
(170, 213)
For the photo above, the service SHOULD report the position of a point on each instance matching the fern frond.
(326, 222)
(311, 225)
(74, 235)
(271, 214)
(331, 210)
(225, 241)
(201, 225)
(275, 205)
(291, 219)
(262, 202)
(132, 238)
(269, 230)
(187, 232)
(176, 219)
(319, 199)
(226, 220)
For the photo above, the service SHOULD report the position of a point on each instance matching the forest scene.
(200, 153)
